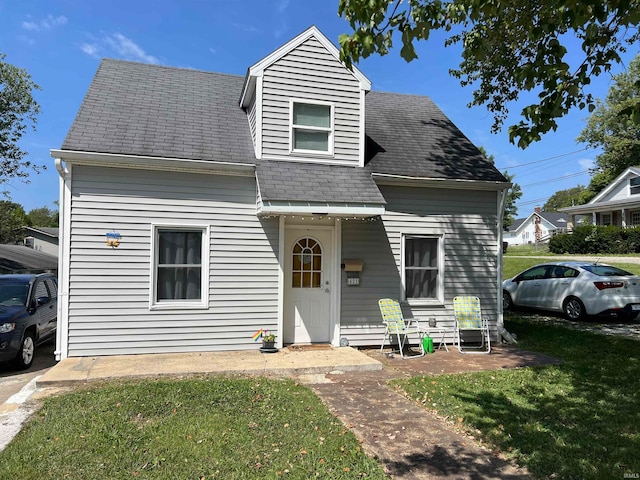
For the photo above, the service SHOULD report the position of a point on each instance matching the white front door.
(307, 292)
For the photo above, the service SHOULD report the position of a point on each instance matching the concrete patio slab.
(285, 362)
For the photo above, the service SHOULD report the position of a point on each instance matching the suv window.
(41, 290)
(53, 288)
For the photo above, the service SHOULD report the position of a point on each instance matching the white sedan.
(577, 289)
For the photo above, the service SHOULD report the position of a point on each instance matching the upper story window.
(311, 128)
(634, 186)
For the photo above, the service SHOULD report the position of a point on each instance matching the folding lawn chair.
(469, 323)
(396, 324)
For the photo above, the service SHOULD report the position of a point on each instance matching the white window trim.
(632, 187)
(631, 214)
(602, 214)
(439, 299)
(331, 128)
(203, 303)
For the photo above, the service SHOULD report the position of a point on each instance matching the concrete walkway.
(409, 441)
(285, 362)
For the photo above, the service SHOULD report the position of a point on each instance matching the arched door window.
(306, 265)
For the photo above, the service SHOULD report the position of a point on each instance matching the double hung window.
(422, 267)
(311, 128)
(180, 260)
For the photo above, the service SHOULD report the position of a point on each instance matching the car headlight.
(7, 327)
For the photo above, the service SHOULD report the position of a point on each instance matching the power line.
(545, 159)
(532, 202)
(542, 182)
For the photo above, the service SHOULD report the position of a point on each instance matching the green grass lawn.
(187, 429)
(577, 420)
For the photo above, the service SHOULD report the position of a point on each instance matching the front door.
(308, 270)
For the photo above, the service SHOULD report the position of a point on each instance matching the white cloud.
(91, 49)
(118, 46)
(128, 49)
(282, 5)
(47, 23)
(213, 50)
(244, 27)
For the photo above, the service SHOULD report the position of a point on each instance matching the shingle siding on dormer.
(310, 72)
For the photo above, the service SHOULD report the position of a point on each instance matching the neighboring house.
(22, 259)
(618, 204)
(538, 227)
(198, 207)
(43, 239)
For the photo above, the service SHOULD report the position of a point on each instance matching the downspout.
(63, 263)
(502, 332)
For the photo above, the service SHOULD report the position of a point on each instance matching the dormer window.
(634, 184)
(312, 127)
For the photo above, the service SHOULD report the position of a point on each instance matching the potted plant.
(268, 340)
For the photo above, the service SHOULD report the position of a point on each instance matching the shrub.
(600, 239)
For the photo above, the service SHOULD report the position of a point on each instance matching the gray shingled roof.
(150, 110)
(20, 259)
(409, 135)
(51, 231)
(297, 181)
(558, 219)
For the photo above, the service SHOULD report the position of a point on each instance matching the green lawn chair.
(471, 325)
(396, 324)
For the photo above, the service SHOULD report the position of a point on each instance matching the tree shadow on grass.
(576, 420)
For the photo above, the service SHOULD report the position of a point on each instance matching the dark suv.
(28, 315)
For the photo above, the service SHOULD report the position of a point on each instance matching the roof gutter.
(151, 163)
(64, 247)
(390, 179)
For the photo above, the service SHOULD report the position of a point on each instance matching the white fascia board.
(362, 140)
(152, 163)
(401, 180)
(338, 210)
(601, 207)
(614, 184)
(258, 68)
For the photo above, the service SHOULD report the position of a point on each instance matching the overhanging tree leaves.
(43, 217)
(18, 111)
(12, 219)
(612, 130)
(509, 47)
(565, 198)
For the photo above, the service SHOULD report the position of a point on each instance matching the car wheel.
(26, 352)
(573, 309)
(507, 302)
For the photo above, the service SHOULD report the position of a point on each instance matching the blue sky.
(60, 43)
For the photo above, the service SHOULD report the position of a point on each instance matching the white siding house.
(538, 227)
(191, 219)
(618, 204)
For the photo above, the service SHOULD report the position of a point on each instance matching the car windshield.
(13, 293)
(606, 271)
